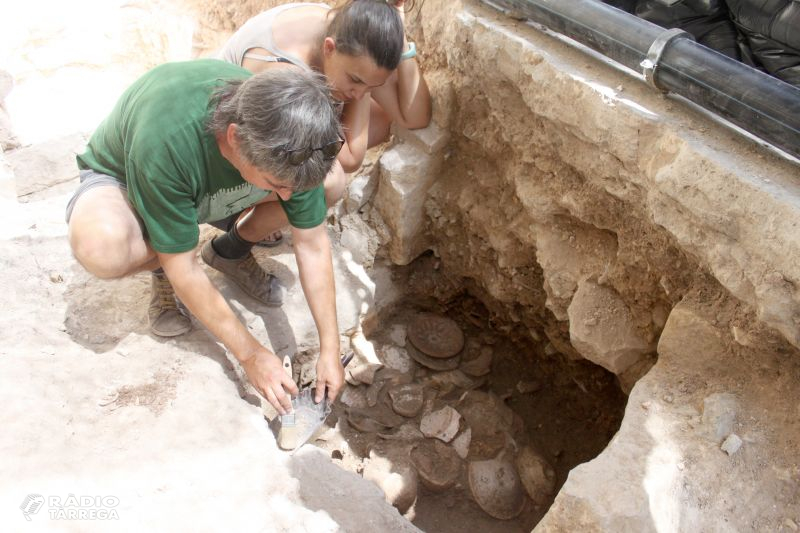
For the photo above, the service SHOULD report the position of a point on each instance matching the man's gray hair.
(279, 110)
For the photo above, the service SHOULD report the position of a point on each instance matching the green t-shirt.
(155, 142)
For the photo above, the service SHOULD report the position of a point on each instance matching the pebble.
(407, 400)
(731, 444)
(442, 424)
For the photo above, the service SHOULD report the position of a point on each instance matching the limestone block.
(601, 328)
(406, 174)
(431, 140)
(43, 165)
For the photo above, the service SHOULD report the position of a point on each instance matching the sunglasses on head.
(329, 151)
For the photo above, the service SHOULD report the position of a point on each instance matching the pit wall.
(620, 226)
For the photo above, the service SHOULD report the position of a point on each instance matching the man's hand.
(330, 374)
(265, 371)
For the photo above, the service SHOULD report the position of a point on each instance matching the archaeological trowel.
(306, 416)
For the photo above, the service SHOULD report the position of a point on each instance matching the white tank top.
(257, 33)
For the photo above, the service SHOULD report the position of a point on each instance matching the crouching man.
(206, 141)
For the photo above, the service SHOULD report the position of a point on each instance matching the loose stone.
(731, 444)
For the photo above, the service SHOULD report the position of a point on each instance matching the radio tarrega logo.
(31, 505)
(72, 507)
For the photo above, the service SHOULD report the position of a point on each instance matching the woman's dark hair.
(368, 27)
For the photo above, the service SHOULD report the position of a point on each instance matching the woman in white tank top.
(358, 47)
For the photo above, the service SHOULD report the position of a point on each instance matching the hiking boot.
(168, 316)
(247, 274)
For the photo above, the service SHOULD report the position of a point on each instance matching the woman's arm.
(355, 122)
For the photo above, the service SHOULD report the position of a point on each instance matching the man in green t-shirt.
(206, 141)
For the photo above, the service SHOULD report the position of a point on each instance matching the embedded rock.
(602, 330)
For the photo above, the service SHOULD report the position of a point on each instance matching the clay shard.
(536, 474)
(486, 414)
(407, 400)
(407, 431)
(363, 422)
(442, 424)
(496, 488)
(432, 362)
(437, 464)
(480, 365)
(436, 336)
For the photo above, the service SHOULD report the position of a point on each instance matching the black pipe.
(765, 106)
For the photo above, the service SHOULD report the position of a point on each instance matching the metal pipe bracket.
(650, 63)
